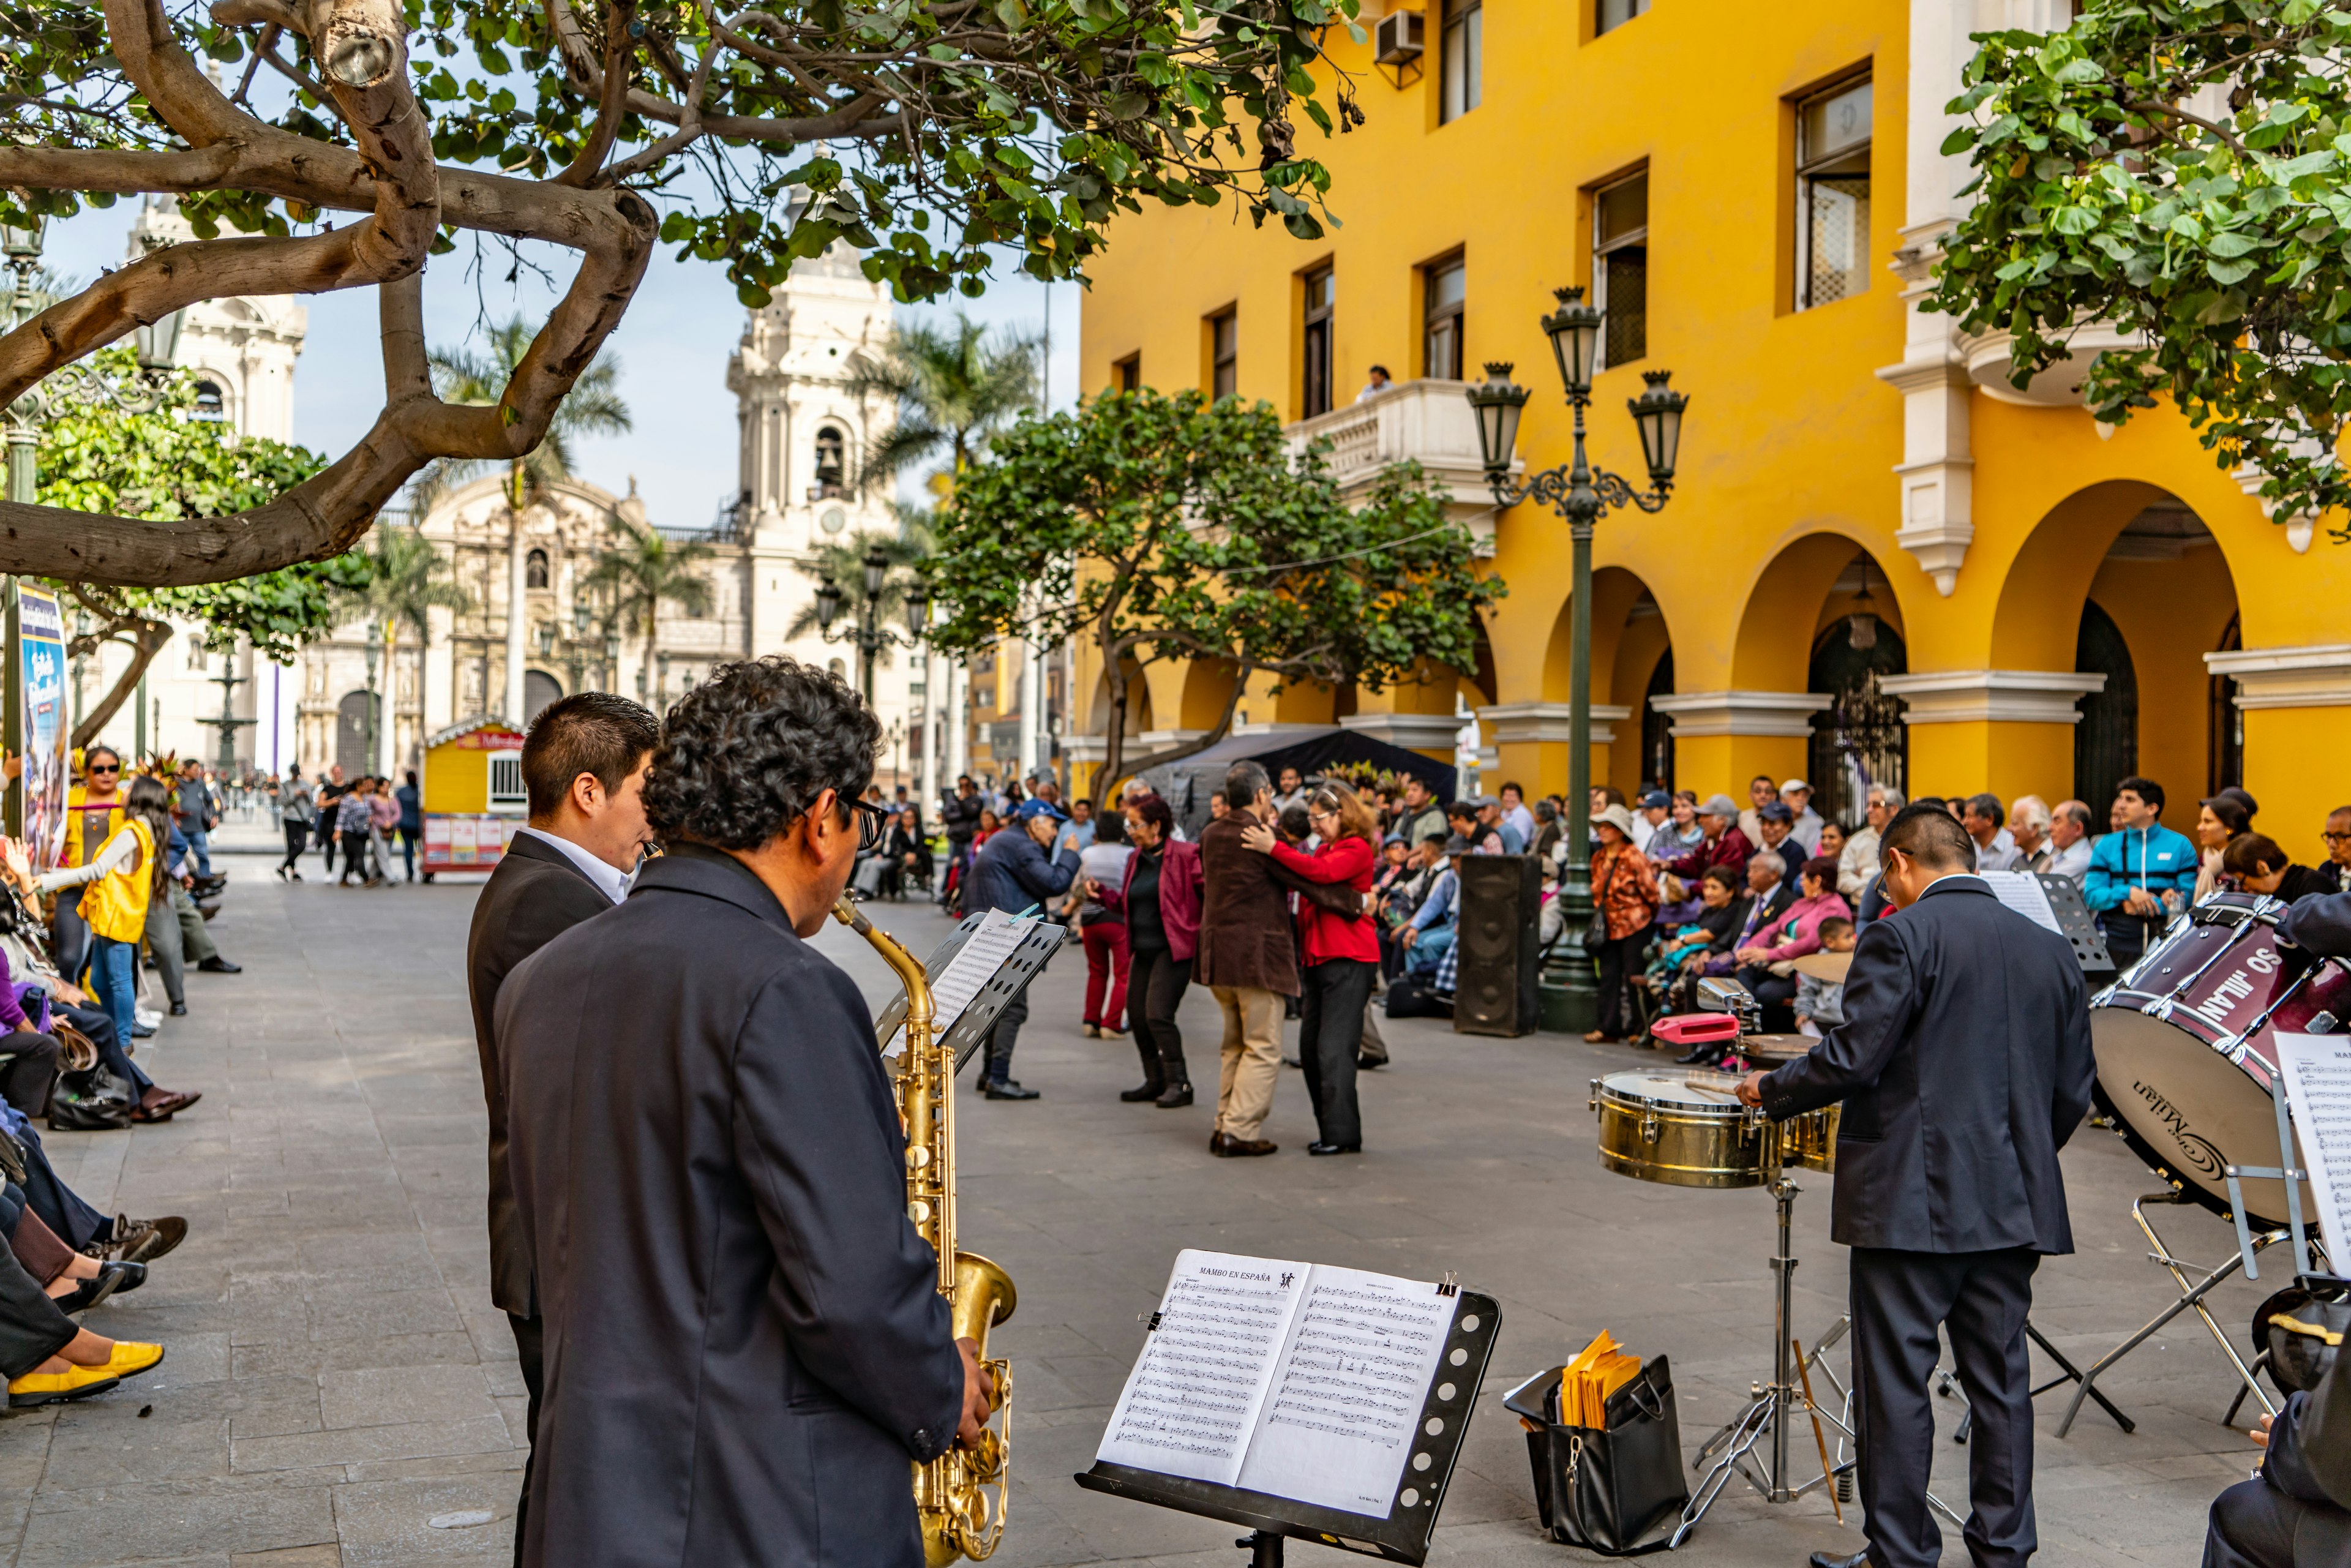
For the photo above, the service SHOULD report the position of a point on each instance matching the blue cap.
(1034, 807)
(1657, 800)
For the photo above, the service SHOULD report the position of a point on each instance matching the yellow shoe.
(132, 1358)
(56, 1387)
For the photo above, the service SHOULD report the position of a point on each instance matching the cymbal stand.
(1772, 1407)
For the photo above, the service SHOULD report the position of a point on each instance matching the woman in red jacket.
(1159, 899)
(1342, 957)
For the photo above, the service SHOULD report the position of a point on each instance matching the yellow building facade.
(1756, 194)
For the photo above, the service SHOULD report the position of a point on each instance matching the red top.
(1323, 935)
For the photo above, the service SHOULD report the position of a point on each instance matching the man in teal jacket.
(2131, 871)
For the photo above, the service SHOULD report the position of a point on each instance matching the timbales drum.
(1810, 1140)
(2186, 1048)
(1658, 1126)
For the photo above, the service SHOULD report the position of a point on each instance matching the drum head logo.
(2196, 1151)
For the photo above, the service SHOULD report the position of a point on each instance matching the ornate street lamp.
(866, 632)
(68, 386)
(1580, 494)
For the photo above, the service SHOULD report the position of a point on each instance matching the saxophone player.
(745, 1341)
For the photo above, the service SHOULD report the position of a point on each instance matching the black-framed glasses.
(104, 767)
(873, 824)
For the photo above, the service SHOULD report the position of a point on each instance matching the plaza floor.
(339, 1389)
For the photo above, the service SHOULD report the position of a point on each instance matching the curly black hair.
(747, 753)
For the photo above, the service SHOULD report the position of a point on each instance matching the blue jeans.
(200, 845)
(1427, 950)
(114, 973)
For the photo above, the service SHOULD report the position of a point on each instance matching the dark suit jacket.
(745, 1341)
(1964, 1065)
(1245, 925)
(534, 895)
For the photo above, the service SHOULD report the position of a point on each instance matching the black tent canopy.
(1187, 784)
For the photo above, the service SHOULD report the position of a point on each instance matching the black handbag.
(93, 1100)
(1604, 1488)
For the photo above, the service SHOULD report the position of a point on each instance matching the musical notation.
(2318, 1072)
(1193, 1399)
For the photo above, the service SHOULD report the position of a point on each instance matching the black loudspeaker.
(1499, 941)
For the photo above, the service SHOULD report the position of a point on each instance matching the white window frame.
(1810, 165)
(1603, 248)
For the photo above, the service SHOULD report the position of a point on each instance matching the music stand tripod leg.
(1264, 1548)
(2190, 1296)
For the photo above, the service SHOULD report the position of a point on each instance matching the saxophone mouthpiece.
(850, 915)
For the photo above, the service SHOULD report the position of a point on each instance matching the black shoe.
(1703, 1054)
(1294, 1061)
(1223, 1145)
(1831, 1560)
(1175, 1097)
(1008, 1089)
(111, 1278)
(179, 1009)
(1142, 1092)
(216, 965)
(1369, 1064)
(1319, 1147)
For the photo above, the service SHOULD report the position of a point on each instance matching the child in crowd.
(1820, 1004)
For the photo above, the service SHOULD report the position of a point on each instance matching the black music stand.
(1011, 978)
(1404, 1535)
(2076, 923)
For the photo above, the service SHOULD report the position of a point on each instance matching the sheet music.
(2317, 1072)
(2021, 890)
(992, 942)
(1339, 1423)
(1192, 1400)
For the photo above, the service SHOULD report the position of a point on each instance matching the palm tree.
(643, 572)
(407, 580)
(953, 389)
(593, 407)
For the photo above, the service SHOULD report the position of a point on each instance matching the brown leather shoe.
(1230, 1147)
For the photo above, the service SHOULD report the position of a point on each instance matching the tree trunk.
(645, 693)
(1213, 734)
(148, 639)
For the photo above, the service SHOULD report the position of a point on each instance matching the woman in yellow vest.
(93, 812)
(117, 882)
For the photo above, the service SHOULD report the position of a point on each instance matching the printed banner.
(41, 683)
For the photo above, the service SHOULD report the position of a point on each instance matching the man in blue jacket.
(2132, 870)
(1016, 871)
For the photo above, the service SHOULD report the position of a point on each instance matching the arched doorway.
(352, 735)
(1860, 739)
(538, 690)
(2106, 743)
(2228, 722)
(1657, 728)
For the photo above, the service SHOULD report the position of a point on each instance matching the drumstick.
(1804, 1372)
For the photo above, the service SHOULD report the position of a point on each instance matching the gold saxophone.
(961, 1494)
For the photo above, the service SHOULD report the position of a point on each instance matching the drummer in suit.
(1957, 1004)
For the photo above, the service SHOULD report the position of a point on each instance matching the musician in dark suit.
(2296, 1510)
(746, 1344)
(584, 769)
(1963, 1065)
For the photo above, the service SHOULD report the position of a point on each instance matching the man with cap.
(1017, 871)
(1724, 846)
(1797, 796)
(1777, 823)
(1660, 839)
(1489, 816)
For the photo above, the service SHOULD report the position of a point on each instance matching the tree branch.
(147, 638)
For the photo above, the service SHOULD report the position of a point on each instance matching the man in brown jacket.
(1249, 958)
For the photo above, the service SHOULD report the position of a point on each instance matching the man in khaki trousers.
(1249, 958)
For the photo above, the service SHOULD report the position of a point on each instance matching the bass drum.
(2187, 1053)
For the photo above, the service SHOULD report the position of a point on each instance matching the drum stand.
(1772, 1407)
(2192, 1293)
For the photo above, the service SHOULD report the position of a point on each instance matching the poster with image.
(41, 686)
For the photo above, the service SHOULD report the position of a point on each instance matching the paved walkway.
(337, 1380)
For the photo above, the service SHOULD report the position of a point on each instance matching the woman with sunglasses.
(93, 813)
(1341, 954)
(118, 882)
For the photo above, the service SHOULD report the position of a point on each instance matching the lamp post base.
(1569, 984)
(1569, 1007)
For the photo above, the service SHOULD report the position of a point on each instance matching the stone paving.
(337, 1380)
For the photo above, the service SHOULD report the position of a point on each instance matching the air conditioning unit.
(1395, 40)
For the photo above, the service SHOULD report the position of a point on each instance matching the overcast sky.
(673, 347)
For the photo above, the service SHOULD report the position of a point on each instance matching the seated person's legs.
(26, 1071)
(2252, 1526)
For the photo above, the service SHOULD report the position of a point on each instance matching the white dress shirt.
(610, 880)
(2001, 854)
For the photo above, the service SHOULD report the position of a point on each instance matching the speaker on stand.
(1499, 941)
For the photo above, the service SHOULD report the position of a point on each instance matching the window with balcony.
(1611, 14)
(1126, 376)
(1322, 290)
(1444, 286)
(1463, 46)
(1620, 267)
(1832, 194)
(1224, 354)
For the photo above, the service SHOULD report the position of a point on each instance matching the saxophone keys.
(917, 1156)
(918, 1211)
